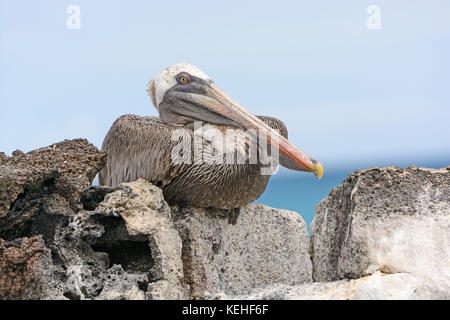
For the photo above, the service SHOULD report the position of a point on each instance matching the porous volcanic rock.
(390, 220)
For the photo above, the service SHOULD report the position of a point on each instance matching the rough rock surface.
(378, 286)
(392, 220)
(50, 178)
(142, 207)
(262, 247)
(382, 234)
(203, 251)
(53, 244)
(27, 270)
(61, 238)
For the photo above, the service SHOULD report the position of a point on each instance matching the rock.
(264, 246)
(126, 242)
(399, 286)
(339, 290)
(87, 255)
(382, 234)
(390, 220)
(378, 286)
(146, 214)
(52, 176)
(52, 244)
(27, 271)
(197, 250)
(121, 285)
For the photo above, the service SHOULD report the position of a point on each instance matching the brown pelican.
(143, 147)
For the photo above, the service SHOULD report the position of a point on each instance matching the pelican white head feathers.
(167, 78)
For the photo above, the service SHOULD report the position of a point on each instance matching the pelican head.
(182, 94)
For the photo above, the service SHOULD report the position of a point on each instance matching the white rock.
(198, 251)
(265, 246)
(393, 220)
(400, 286)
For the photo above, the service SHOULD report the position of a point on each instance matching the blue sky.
(350, 96)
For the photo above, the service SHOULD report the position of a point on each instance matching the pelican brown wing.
(140, 147)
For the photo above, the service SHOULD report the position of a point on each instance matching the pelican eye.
(184, 78)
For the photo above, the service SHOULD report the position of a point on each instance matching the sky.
(350, 96)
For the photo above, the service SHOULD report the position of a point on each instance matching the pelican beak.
(219, 103)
